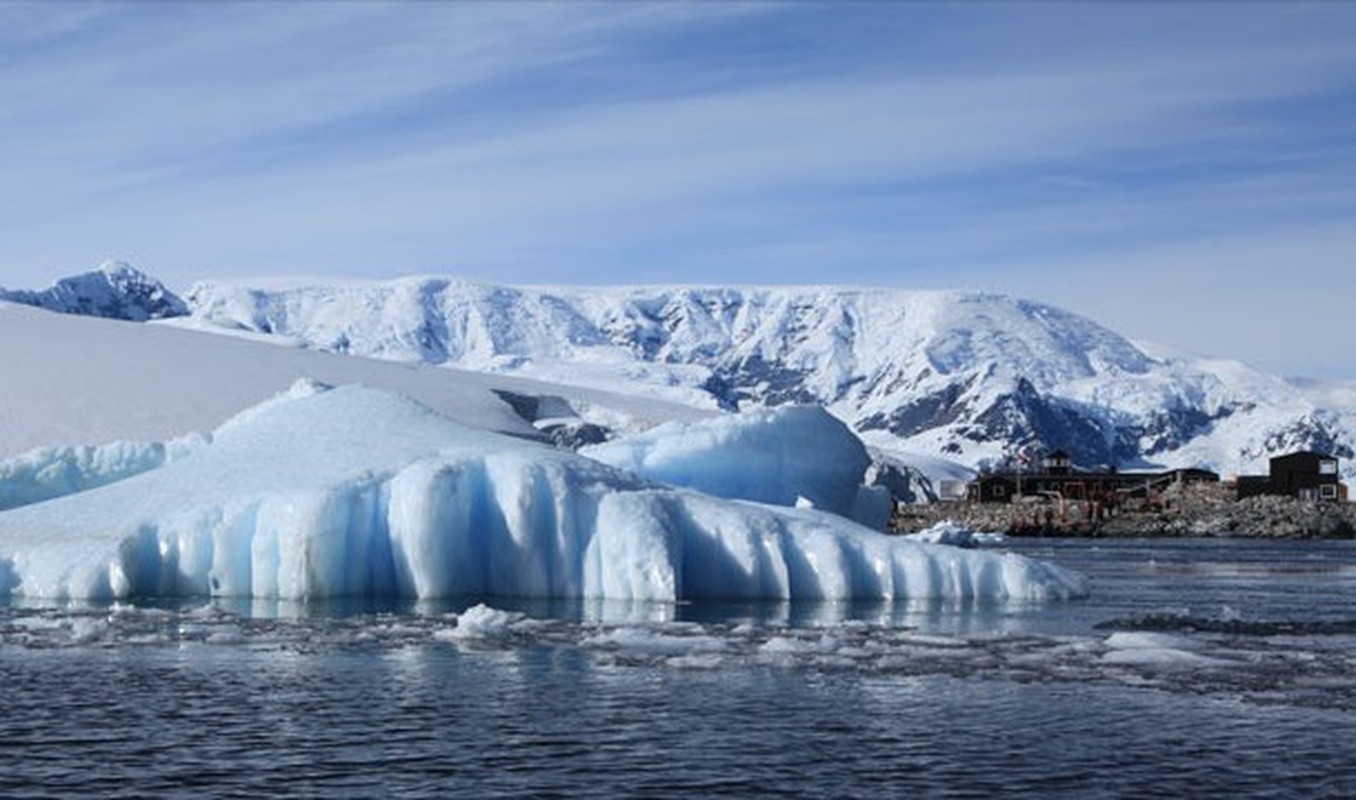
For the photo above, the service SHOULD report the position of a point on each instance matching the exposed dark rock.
(555, 419)
(755, 379)
(115, 291)
(1192, 510)
(920, 415)
(572, 436)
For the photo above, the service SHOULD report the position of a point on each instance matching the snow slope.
(75, 381)
(363, 492)
(961, 377)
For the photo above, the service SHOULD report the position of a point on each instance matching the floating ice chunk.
(654, 642)
(953, 533)
(791, 645)
(794, 456)
(360, 492)
(1140, 640)
(1159, 650)
(482, 622)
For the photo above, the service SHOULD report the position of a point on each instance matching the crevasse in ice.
(356, 491)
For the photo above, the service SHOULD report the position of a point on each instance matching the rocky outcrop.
(1197, 510)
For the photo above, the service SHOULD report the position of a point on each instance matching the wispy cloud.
(975, 145)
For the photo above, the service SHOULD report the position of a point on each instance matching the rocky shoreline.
(1194, 510)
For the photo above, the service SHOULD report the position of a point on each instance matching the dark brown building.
(1306, 475)
(1056, 476)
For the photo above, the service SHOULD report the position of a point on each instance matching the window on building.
(1327, 466)
(1328, 491)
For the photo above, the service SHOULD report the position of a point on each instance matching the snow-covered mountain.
(962, 376)
(116, 290)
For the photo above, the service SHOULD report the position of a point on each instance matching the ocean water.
(1196, 668)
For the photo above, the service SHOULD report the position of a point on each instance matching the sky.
(1184, 174)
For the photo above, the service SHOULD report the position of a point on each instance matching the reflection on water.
(932, 614)
(1197, 667)
(802, 613)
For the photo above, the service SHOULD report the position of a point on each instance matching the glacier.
(358, 492)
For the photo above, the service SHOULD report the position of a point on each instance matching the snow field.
(81, 381)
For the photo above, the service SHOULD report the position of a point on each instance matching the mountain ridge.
(967, 377)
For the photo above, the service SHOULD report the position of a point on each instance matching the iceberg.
(787, 456)
(48, 472)
(359, 492)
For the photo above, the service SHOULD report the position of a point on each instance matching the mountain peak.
(116, 290)
(115, 269)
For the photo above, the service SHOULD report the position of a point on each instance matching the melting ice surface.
(359, 492)
(774, 455)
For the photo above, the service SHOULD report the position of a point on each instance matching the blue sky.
(1182, 173)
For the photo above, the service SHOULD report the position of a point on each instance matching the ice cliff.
(362, 492)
